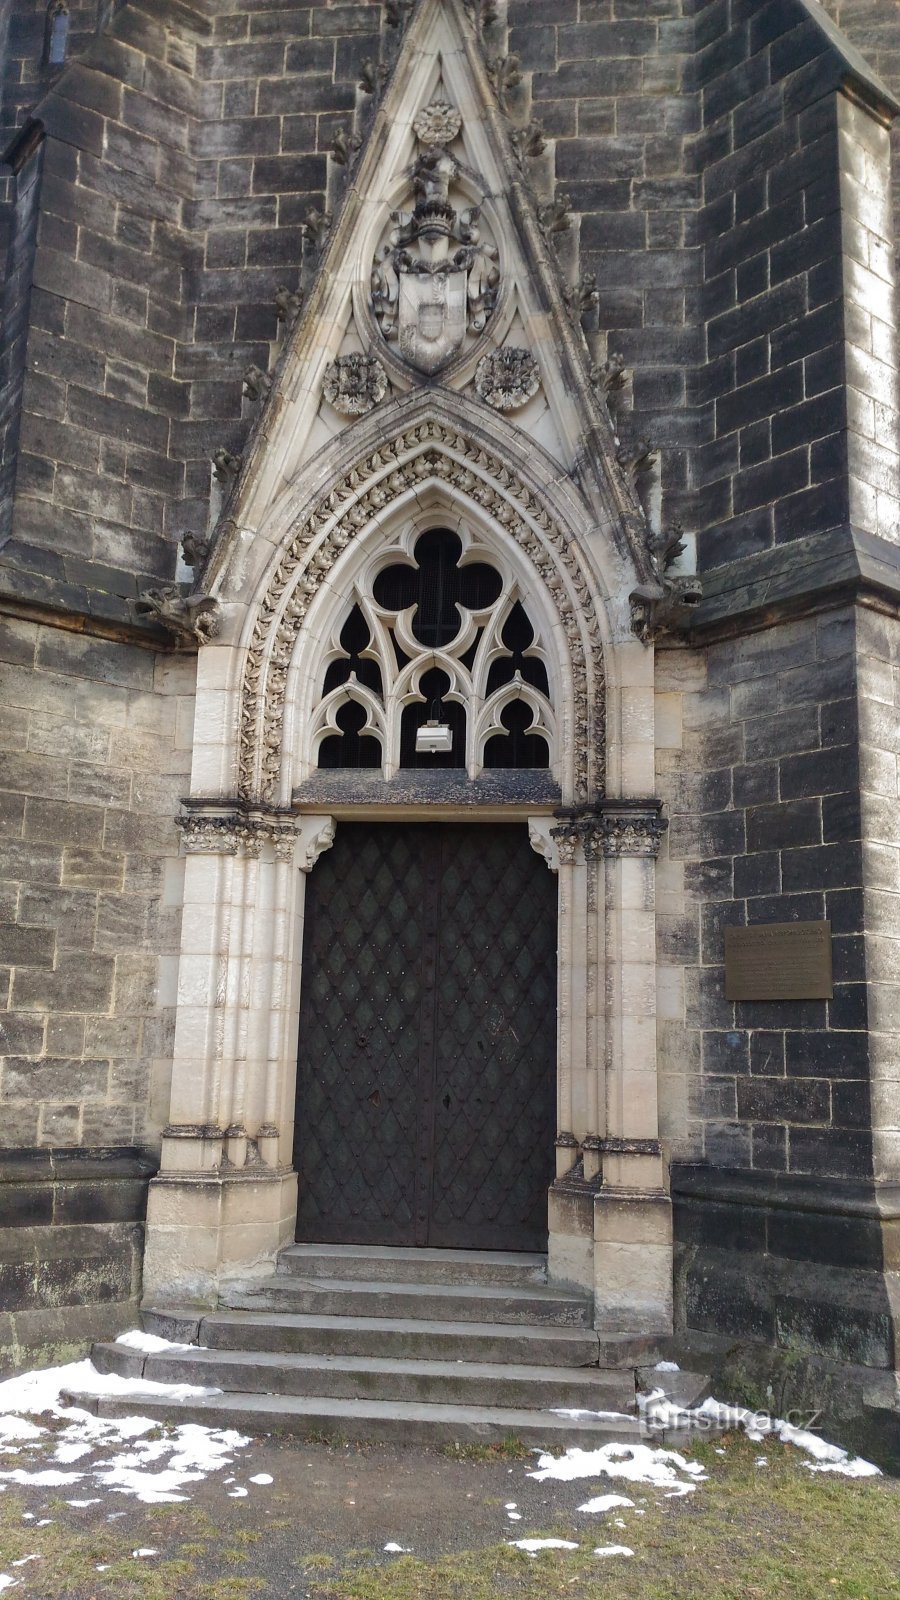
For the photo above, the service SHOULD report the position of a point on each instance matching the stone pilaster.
(225, 1198)
(632, 1210)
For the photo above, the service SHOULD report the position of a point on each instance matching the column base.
(570, 1248)
(206, 1229)
(633, 1262)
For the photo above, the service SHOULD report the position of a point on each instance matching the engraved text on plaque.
(779, 961)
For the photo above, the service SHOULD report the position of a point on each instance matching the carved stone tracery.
(428, 450)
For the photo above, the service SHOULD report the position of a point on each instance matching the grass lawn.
(778, 1532)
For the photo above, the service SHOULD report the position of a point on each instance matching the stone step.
(385, 1421)
(434, 1302)
(386, 1264)
(401, 1338)
(377, 1378)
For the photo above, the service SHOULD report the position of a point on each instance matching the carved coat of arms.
(434, 279)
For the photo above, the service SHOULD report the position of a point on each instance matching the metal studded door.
(427, 1062)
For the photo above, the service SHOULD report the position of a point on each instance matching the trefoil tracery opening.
(442, 636)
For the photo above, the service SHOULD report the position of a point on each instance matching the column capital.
(628, 827)
(226, 828)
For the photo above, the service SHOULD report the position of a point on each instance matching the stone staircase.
(371, 1343)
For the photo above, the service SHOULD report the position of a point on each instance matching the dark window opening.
(350, 748)
(517, 636)
(517, 747)
(437, 586)
(355, 638)
(434, 685)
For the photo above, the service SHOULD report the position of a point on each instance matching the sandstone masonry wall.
(96, 747)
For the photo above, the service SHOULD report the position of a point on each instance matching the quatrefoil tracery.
(442, 633)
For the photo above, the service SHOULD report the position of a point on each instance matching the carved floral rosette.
(354, 384)
(437, 123)
(508, 378)
(426, 451)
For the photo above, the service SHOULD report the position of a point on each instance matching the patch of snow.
(825, 1457)
(510, 1505)
(667, 1366)
(532, 1546)
(605, 1502)
(397, 1549)
(638, 1463)
(262, 1477)
(514, 1516)
(237, 1494)
(6, 1582)
(155, 1471)
(150, 1343)
(79, 1503)
(614, 1550)
(606, 1416)
(143, 1552)
(46, 1479)
(24, 1560)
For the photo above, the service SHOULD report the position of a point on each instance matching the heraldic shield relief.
(434, 278)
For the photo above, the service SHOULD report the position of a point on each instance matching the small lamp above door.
(434, 737)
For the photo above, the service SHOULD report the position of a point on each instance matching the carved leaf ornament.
(427, 451)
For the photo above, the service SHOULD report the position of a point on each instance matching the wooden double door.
(426, 1085)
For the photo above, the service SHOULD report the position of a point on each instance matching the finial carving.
(257, 384)
(195, 550)
(225, 465)
(372, 75)
(505, 74)
(554, 217)
(287, 303)
(315, 226)
(344, 146)
(528, 142)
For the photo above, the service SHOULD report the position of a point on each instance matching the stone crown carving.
(354, 383)
(435, 278)
(507, 379)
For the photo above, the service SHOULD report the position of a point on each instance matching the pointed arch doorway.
(426, 1083)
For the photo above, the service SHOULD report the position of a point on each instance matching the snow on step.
(383, 1378)
(386, 1420)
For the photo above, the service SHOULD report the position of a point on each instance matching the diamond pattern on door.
(426, 1071)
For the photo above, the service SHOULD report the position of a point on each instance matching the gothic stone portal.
(427, 1063)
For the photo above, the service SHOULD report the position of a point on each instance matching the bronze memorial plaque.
(779, 961)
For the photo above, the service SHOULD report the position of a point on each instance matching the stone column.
(566, 844)
(225, 1199)
(632, 1209)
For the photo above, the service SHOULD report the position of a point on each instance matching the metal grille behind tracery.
(436, 636)
(427, 1061)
